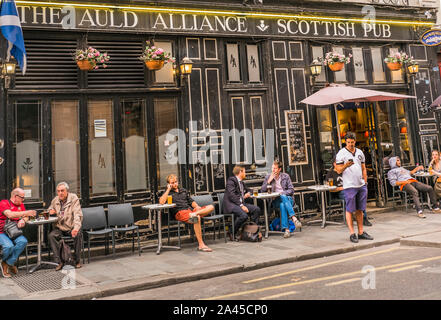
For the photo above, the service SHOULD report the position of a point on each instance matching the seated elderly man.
(14, 210)
(66, 206)
(401, 177)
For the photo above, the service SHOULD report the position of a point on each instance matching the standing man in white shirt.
(351, 164)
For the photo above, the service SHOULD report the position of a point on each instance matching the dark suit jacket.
(233, 195)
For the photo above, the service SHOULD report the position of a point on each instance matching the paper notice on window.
(100, 128)
(28, 193)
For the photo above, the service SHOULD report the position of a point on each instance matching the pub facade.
(114, 134)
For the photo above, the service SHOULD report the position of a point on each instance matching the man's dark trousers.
(54, 241)
(241, 216)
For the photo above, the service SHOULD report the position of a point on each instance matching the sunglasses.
(22, 198)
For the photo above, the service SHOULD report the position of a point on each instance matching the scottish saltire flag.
(11, 30)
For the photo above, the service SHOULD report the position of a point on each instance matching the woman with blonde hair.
(435, 164)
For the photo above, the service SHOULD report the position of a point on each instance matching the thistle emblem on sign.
(262, 26)
(27, 165)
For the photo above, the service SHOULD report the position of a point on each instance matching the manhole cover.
(43, 280)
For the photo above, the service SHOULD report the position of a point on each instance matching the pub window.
(210, 49)
(418, 52)
(406, 153)
(378, 66)
(384, 126)
(165, 75)
(253, 59)
(27, 149)
(193, 51)
(327, 148)
(396, 76)
(233, 61)
(135, 145)
(359, 65)
(340, 76)
(279, 50)
(101, 148)
(295, 51)
(317, 53)
(66, 144)
(165, 120)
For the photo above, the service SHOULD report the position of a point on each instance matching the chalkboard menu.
(423, 92)
(296, 135)
(429, 143)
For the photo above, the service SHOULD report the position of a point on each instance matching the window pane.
(27, 148)
(358, 61)
(165, 120)
(384, 126)
(326, 140)
(405, 134)
(66, 144)
(165, 75)
(101, 148)
(378, 65)
(135, 144)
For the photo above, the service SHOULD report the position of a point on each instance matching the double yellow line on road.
(236, 294)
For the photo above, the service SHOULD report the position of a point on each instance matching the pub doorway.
(381, 129)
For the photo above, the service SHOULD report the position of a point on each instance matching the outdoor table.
(265, 196)
(426, 176)
(40, 222)
(322, 189)
(160, 208)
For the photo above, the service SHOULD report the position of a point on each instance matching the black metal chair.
(341, 202)
(122, 215)
(95, 224)
(206, 200)
(220, 197)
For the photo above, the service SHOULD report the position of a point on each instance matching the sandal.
(205, 249)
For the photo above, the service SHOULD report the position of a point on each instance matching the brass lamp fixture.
(315, 68)
(8, 70)
(185, 68)
(413, 68)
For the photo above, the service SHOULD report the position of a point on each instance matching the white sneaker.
(287, 234)
(421, 214)
(193, 218)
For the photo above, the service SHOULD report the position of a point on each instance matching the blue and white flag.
(11, 30)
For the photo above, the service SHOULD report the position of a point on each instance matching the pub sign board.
(170, 22)
(296, 135)
(431, 37)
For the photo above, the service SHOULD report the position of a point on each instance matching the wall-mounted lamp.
(8, 70)
(315, 68)
(413, 68)
(185, 68)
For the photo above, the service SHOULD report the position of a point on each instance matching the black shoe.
(366, 222)
(353, 238)
(365, 236)
(234, 238)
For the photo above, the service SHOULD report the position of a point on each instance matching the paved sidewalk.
(105, 276)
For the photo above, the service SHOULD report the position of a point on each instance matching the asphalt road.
(388, 272)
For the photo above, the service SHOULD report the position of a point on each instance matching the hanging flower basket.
(154, 64)
(336, 66)
(85, 65)
(90, 59)
(396, 60)
(155, 58)
(394, 66)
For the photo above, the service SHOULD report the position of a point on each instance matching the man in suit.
(234, 201)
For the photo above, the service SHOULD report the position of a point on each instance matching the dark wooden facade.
(212, 98)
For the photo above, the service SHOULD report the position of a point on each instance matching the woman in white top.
(436, 170)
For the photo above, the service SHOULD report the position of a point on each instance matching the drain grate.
(43, 280)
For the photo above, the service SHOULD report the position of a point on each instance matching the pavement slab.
(106, 276)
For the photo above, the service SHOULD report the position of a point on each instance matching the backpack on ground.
(251, 232)
(66, 254)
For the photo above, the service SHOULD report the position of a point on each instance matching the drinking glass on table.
(255, 192)
(330, 182)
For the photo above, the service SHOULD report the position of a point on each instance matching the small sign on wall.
(233, 62)
(100, 128)
(296, 135)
